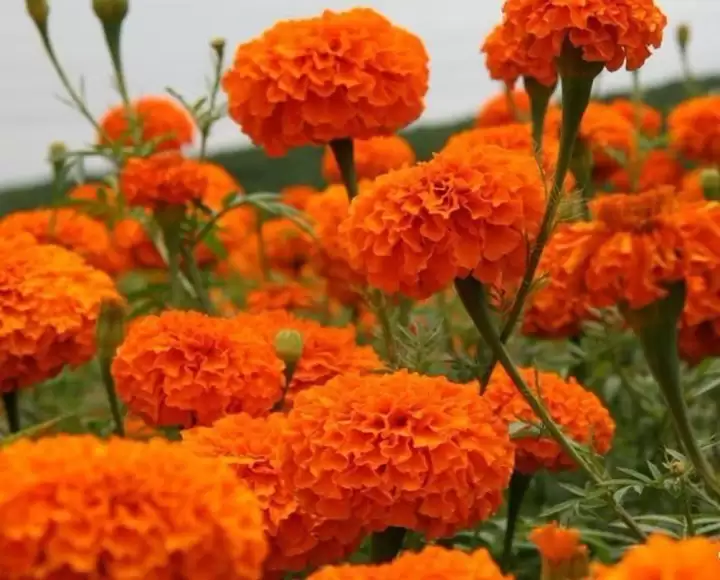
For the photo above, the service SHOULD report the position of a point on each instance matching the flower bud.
(678, 468)
(289, 346)
(218, 46)
(110, 330)
(563, 556)
(56, 156)
(710, 180)
(683, 36)
(110, 12)
(38, 11)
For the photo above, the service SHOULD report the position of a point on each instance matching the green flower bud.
(289, 346)
(110, 12)
(710, 180)
(683, 36)
(218, 46)
(110, 330)
(38, 11)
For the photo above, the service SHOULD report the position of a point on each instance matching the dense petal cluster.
(691, 187)
(580, 414)
(507, 59)
(372, 157)
(158, 119)
(657, 168)
(298, 196)
(504, 109)
(49, 304)
(694, 127)
(433, 563)
(80, 507)
(161, 179)
(186, 368)
(641, 115)
(219, 184)
(95, 198)
(556, 544)
(463, 213)
(612, 32)
(251, 446)
(288, 296)
(699, 332)
(397, 450)
(666, 558)
(340, 75)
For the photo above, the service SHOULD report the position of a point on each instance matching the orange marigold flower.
(580, 414)
(651, 120)
(658, 168)
(666, 558)
(186, 368)
(613, 32)
(397, 450)
(327, 351)
(160, 119)
(49, 307)
(433, 563)
(699, 331)
(373, 157)
(67, 228)
(340, 75)
(279, 296)
(219, 184)
(694, 127)
(555, 543)
(298, 196)
(251, 446)
(97, 198)
(507, 59)
(80, 507)
(162, 179)
(499, 110)
(464, 213)
(137, 428)
(691, 188)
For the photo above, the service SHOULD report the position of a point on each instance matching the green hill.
(257, 172)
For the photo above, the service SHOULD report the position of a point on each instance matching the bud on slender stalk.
(289, 346)
(710, 180)
(56, 156)
(683, 37)
(218, 46)
(38, 10)
(110, 328)
(110, 12)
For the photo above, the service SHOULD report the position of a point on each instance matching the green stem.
(581, 166)
(193, 272)
(12, 410)
(208, 123)
(687, 508)
(109, 384)
(386, 330)
(539, 101)
(343, 150)
(262, 253)
(289, 372)
(385, 545)
(519, 484)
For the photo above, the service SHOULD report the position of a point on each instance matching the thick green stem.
(109, 384)
(539, 101)
(12, 410)
(582, 168)
(387, 335)
(519, 484)
(195, 278)
(169, 218)
(289, 372)
(343, 150)
(384, 546)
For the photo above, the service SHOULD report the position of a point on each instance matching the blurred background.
(166, 44)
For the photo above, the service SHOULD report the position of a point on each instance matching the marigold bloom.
(465, 213)
(579, 413)
(67, 228)
(80, 507)
(613, 32)
(498, 110)
(160, 120)
(340, 75)
(279, 296)
(555, 543)
(658, 168)
(507, 59)
(219, 184)
(699, 331)
(694, 127)
(49, 307)
(433, 563)
(251, 446)
(666, 558)
(327, 351)
(650, 119)
(98, 198)
(397, 450)
(691, 188)
(162, 179)
(186, 368)
(372, 157)
(298, 196)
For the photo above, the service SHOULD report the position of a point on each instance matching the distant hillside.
(257, 172)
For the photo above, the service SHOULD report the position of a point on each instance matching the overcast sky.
(166, 45)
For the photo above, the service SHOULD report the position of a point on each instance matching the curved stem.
(109, 384)
(12, 410)
(519, 484)
(195, 279)
(207, 125)
(539, 101)
(343, 150)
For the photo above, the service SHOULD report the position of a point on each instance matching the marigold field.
(496, 362)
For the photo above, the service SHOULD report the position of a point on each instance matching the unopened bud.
(678, 468)
(110, 330)
(218, 45)
(710, 180)
(111, 12)
(683, 36)
(57, 152)
(38, 11)
(289, 346)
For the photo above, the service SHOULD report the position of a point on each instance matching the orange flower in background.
(162, 179)
(557, 544)
(159, 119)
(279, 296)
(340, 75)
(298, 196)
(507, 59)
(134, 244)
(372, 157)
(666, 558)
(97, 199)
(433, 563)
(464, 213)
(67, 228)
(691, 188)
(499, 110)
(650, 119)
(49, 307)
(612, 32)
(580, 414)
(186, 368)
(694, 127)
(251, 446)
(219, 184)
(658, 168)
(80, 507)
(397, 450)
(327, 351)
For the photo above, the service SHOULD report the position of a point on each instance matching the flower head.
(579, 413)
(372, 157)
(298, 196)
(97, 198)
(650, 119)
(49, 307)
(694, 128)
(691, 187)
(251, 446)
(563, 556)
(219, 184)
(504, 109)
(699, 331)
(279, 296)
(159, 120)
(340, 75)
(658, 168)
(397, 450)
(612, 32)
(186, 368)
(80, 507)
(464, 213)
